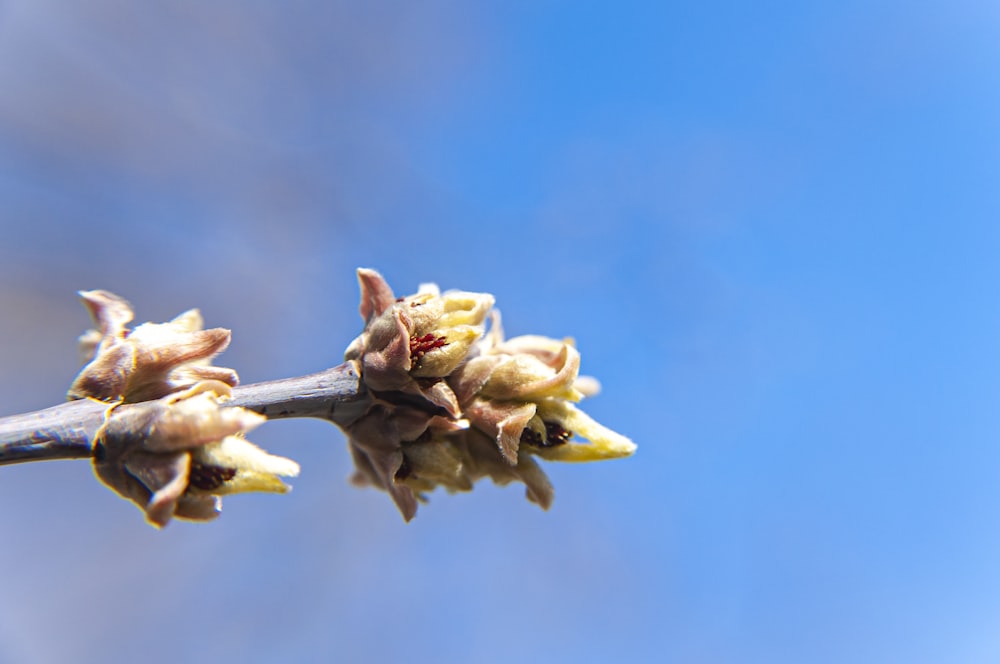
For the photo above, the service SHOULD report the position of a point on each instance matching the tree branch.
(67, 431)
(60, 432)
(443, 403)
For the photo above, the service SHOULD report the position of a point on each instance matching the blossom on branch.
(177, 455)
(452, 403)
(176, 449)
(438, 398)
(148, 362)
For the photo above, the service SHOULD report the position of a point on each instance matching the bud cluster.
(176, 449)
(453, 403)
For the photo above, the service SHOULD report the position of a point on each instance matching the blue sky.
(770, 227)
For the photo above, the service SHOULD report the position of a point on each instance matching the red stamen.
(419, 346)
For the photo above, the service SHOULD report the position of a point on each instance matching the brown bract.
(453, 403)
(147, 362)
(169, 444)
(177, 455)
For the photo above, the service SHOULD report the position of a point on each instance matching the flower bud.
(177, 455)
(150, 361)
(454, 403)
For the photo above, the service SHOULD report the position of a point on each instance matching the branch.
(431, 395)
(68, 431)
(65, 431)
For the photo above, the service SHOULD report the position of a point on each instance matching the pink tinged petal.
(376, 296)
(198, 420)
(377, 438)
(364, 472)
(408, 424)
(386, 363)
(184, 376)
(386, 465)
(502, 421)
(538, 488)
(157, 362)
(483, 460)
(198, 508)
(87, 344)
(106, 376)
(109, 312)
(390, 329)
(438, 424)
(440, 394)
(144, 364)
(510, 430)
(468, 380)
(113, 475)
(166, 477)
(160, 347)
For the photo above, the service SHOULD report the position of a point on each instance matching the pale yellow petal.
(603, 442)
(256, 470)
(528, 378)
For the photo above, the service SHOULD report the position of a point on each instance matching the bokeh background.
(771, 227)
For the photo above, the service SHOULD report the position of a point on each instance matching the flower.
(457, 461)
(177, 455)
(523, 390)
(148, 362)
(453, 403)
(169, 444)
(410, 344)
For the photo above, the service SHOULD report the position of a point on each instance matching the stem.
(334, 394)
(60, 432)
(67, 431)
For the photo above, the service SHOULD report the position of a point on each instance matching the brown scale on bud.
(455, 403)
(176, 448)
(149, 361)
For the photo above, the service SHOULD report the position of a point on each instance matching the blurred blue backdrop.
(772, 229)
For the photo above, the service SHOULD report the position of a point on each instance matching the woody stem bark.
(67, 431)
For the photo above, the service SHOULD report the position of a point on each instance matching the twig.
(442, 403)
(60, 432)
(67, 431)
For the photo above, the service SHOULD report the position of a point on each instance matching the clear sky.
(772, 229)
